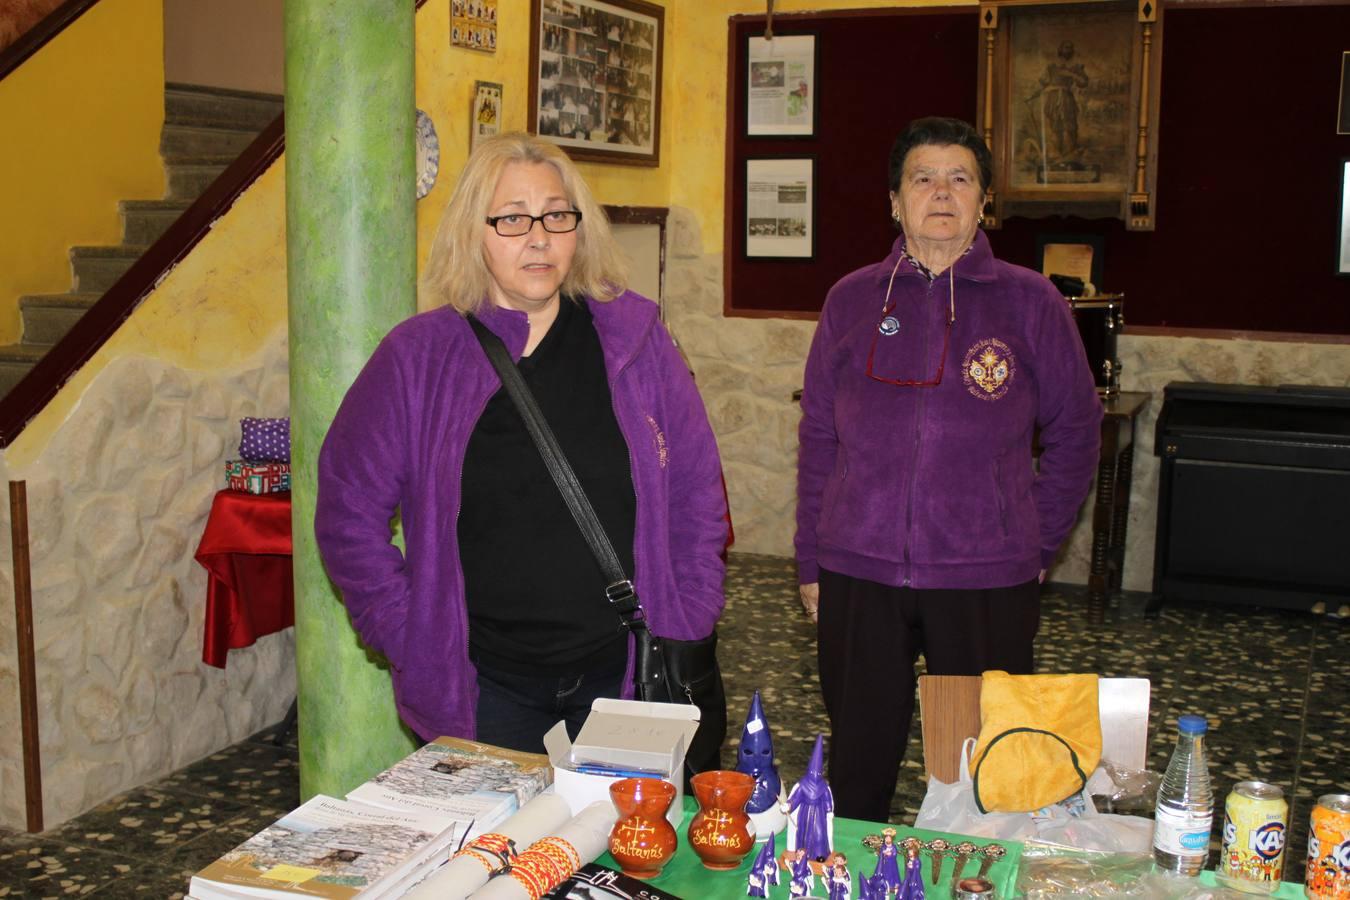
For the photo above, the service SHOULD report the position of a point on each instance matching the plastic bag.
(1118, 789)
(1074, 821)
(1054, 872)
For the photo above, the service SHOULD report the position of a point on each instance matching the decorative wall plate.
(428, 154)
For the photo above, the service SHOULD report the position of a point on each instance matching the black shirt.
(535, 594)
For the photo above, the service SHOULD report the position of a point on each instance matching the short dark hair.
(942, 132)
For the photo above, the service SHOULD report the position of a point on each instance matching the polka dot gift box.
(265, 440)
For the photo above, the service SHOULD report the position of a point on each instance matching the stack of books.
(387, 835)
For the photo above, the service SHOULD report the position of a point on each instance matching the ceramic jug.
(642, 841)
(721, 833)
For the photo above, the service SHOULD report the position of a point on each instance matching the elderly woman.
(494, 617)
(922, 524)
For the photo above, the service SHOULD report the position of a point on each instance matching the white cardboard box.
(626, 734)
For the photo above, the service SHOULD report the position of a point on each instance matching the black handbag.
(666, 670)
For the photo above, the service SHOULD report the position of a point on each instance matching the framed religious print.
(781, 93)
(780, 218)
(1069, 107)
(485, 111)
(473, 24)
(595, 78)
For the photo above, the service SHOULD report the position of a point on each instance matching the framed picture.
(1343, 248)
(780, 216)
(1069, 107)
(485, 113)
(1343, 108)
(595, 78)
(473, 25)
(780, 90)
(1076, 255)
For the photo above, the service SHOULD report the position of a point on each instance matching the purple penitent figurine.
(755, 758)
(888, 861)
(764, 870)
(812, 802)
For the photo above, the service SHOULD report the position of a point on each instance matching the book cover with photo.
(334, 849)
(596, 882)
(471, 782)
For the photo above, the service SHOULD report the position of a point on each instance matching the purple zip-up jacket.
(398, 441)
(934, 487)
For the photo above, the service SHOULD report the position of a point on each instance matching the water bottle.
(1185, 812)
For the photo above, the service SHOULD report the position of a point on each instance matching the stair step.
(16, 360)
(187, 180)
(97, 268)
(195, 140)
(143, 221)
(190, 104)
(47, 317)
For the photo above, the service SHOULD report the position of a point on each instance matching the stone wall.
(748, 368)
(116, 505)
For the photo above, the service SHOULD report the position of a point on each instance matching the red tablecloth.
(246, 550)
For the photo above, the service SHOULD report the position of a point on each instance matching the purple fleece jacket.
(934, 487)
(397, 444)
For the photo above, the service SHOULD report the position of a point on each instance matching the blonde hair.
(457, 273)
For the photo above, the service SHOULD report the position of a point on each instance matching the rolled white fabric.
(460, 877)
(588, 833)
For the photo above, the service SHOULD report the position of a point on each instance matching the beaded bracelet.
(471, 853)
(528, 872)
(497, 844)
(562, 851)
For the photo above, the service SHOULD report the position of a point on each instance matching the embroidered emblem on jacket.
(661, 453)
(988, 369)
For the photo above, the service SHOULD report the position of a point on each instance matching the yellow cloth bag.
(1040, 739)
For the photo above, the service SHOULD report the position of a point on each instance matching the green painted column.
(351, 248)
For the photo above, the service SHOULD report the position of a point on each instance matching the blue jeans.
(514, 710)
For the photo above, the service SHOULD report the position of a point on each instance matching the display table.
(686, 877)
(246, 551)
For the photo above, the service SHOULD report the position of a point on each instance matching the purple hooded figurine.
(812, 802)
(755, 758)
(888, 861)
(764, 871)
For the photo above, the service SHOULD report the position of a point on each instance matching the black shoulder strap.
(620, 591)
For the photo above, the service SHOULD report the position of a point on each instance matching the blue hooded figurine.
(811, 803)
(764, 870)
(803, 878)
(888, 861)
(755, 758)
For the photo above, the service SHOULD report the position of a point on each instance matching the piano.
(1254, 496)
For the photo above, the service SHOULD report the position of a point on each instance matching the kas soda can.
(1328, 875)
(1255, 824)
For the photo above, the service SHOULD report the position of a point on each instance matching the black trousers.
(870, 636)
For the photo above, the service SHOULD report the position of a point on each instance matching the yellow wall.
(81, 121)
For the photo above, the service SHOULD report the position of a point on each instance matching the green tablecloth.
(685, 876)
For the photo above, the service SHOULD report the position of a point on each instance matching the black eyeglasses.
(559, 221)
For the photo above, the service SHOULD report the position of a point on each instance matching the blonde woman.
(494, 618)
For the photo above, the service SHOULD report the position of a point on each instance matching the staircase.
(205, 129)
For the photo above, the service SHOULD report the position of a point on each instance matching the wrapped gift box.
(258, 478)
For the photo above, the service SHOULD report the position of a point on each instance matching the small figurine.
(811, 807)
(912, 888)
(763, 871)
(873, 888)
(755, 758)
(888, 861)
(803, 879)
(838, 878)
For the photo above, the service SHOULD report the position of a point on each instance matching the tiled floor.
(1273, 685)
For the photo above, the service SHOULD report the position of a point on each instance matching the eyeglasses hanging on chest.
(889, 326)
